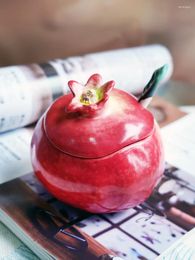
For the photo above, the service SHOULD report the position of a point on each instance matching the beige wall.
(38, 30)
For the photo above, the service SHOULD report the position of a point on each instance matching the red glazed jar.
(98, 148)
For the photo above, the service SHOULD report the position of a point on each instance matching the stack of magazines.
(54, 230)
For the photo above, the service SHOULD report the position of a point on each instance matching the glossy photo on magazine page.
(53, 229)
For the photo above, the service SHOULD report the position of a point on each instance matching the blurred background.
(39, 30)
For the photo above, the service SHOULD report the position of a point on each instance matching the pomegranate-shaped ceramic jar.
(98, 148)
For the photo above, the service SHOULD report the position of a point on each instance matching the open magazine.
(54, 230)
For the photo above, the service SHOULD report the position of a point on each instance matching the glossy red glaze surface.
(97, 148)
(122, 121)
(112, 183)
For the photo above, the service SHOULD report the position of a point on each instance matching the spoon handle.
(150, 88)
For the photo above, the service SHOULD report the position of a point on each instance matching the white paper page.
(15, 154)
(188, 109)
(130, 68)
(183, 249)
(14, 97)
(179, 143)
(25, 93)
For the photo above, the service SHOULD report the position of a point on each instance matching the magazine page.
(183, 248)
(142, 232)
(179, 142)
(15, 153)
(11, 247)
(26, 91)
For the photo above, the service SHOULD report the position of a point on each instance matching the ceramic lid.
(120, 122)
